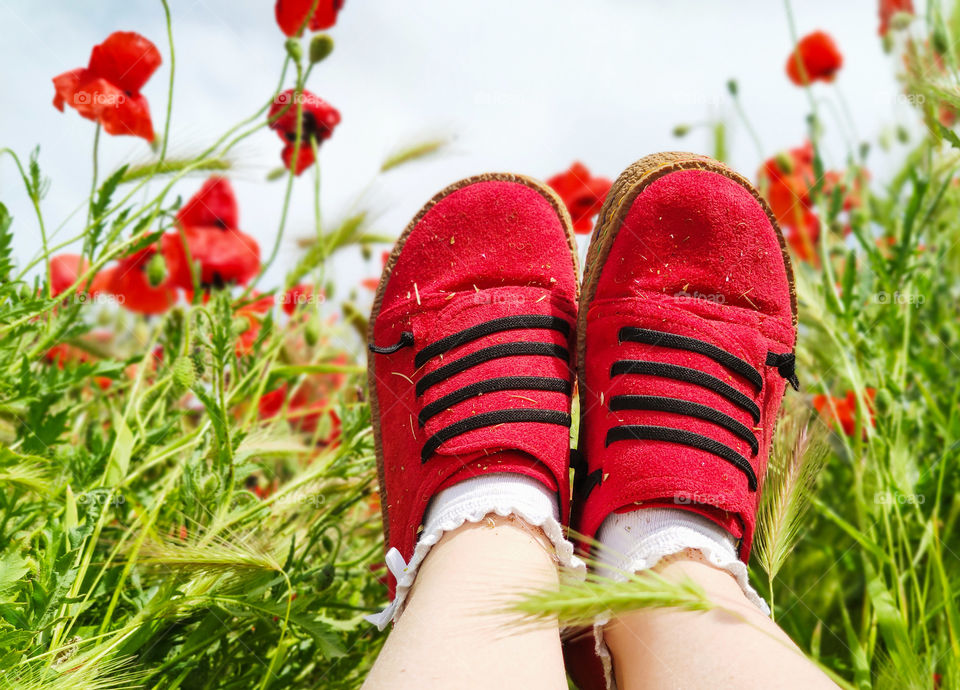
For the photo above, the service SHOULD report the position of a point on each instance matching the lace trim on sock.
(471, 501)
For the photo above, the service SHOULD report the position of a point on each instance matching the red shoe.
(471, 340)
(687, 327)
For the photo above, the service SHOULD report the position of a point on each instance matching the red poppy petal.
(128, 281)
(225, 256)
(888, 8)
(65, 86)
(325, 16)
(64, 271)
(270, 403)
(820, 57)
(215, 204)
(125, 59)
(291, 15)
(304, 157)
(121, 114)
(319, 117)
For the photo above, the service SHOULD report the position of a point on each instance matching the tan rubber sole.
(530, 182)
(620, 198)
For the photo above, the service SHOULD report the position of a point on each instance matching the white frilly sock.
(471, 501)
(638, 540)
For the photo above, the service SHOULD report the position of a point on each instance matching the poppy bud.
(197, 358)
(239, 325)
(903, 136)
(321, 46)
(325, 577)
(210, 485)
(311, 332)
(276, 174)
(681, 130)
(883, 401)
(784, 162)
(901, 20)
(184, 375)
(365, 251)
(294, 50)
(887, 42)
(732, 87)
(940, 43)
(885, 139)
(156, 270)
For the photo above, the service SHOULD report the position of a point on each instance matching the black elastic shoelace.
(785, 364)
(502, 383)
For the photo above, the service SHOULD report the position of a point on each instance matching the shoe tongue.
(479, 464)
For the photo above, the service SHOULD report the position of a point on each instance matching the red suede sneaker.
(471, 340)
(687, 328)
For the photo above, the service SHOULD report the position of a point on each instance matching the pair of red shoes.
(682, 341)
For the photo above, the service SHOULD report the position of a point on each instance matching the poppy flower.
(252, 312)
(107, 90)
(129, 283)
(582, 194)
(842, 412)
(62, 354)
(292, 15)
(215, 204)
(305, 409)
(888, 8)
(64, 271)
(787, 179)
(318, 119)
(300, 294)
(820, 57)
(209, 221)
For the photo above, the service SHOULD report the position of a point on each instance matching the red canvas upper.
(488, 250)
(695, 256)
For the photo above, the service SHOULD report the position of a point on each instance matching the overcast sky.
(521, 85)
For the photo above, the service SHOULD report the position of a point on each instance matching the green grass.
(159, 532)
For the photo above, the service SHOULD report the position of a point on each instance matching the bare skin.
(447, 637)
(737, 647)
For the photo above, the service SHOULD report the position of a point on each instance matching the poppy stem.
(93, 184)
(291, 175)
(173, 66)
(318, 219)
(742, 114)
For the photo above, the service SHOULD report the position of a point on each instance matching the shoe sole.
(623, 193)
(530, 182)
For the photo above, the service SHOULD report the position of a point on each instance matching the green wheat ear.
(577, 602)
(798, 455)
(69, 667)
